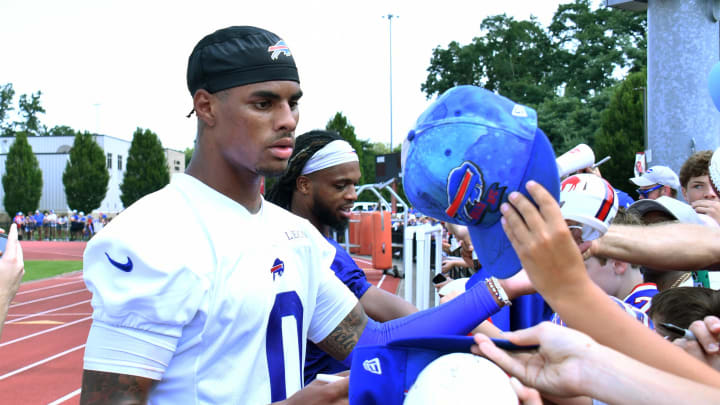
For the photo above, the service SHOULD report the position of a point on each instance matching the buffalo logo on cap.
(279, 48)
(467, 197)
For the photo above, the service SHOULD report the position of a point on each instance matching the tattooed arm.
(342, 340)
(108, 388)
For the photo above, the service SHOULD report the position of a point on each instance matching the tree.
(513, 58)
(569, 121)
(22, 181)
(30, 108)
(578, 55)
(188, 155)
(86, 175)
(60, 130)
(621, 132)
(146, 169)
(339, 123)
(6, 96)
(596, 43)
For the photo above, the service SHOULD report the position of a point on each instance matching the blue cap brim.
(492, 247)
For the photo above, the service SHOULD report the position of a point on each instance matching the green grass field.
(37, 269)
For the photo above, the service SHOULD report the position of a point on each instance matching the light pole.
(389, 18)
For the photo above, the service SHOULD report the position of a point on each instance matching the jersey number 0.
(286, 311)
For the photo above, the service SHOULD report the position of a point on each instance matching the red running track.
(43, 339)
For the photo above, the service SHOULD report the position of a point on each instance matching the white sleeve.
(334, 299)
(141, 287)
(119, 350)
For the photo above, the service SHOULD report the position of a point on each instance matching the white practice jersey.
(216, 302)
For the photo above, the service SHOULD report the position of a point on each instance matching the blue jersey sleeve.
(348, 271)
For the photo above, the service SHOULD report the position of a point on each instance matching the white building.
(53, 153)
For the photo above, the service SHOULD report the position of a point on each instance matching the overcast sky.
(111, 66)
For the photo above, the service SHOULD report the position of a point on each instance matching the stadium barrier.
(418, 275)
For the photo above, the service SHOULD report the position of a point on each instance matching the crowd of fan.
(49, 226)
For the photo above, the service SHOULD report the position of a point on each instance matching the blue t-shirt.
(624, 199)
(345, 268)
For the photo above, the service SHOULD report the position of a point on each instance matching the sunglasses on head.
(644, 193)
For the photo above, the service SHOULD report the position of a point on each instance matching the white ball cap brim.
(461, 378)
(714, 170)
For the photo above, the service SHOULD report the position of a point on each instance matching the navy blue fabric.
(457, 317)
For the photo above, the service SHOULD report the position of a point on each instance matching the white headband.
(333, 154)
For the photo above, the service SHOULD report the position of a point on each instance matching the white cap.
(714, 170)
(677, 209)
(461, 378)
(589, 200)
(658, 175)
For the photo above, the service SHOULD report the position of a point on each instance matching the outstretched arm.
(664, 246)
(569, 363)
(552, 261)
(382, 306)
(12, 269)
(457, 317)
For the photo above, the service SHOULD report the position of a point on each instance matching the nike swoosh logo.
(126, 267)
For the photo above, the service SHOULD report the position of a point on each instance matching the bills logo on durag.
(277, 269)
(468, 198)
(279, 48)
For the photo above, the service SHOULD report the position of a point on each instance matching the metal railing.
(417, 277)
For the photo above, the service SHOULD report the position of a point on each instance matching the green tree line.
(86, 176)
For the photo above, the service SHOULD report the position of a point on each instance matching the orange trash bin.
(382, 240)
(366, 234)
(354, 232)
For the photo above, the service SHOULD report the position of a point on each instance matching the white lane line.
(45, 331)
(381, 281)
(47, 288)
(66, 397)
(47, 298)
(47, 312)
(25, 316)
(37, 363)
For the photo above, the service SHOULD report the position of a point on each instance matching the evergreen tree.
(22, 180)
(146, 169)
(339, 123)
(621, 132)
(86, 175)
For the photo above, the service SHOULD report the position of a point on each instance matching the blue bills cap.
(384, 374)
(468, 151)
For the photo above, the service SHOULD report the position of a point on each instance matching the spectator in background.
(62, 228)
(621, 279)
(698, 192)
(682, 306)
(76, 226)
(695, 185)
(52, 220)
(693, 308)
(45, 235)
(657, 181)
(39, 222)
(89, 226)
(665, 209)
(19, 221)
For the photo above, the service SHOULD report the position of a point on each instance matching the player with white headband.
(319, 185)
